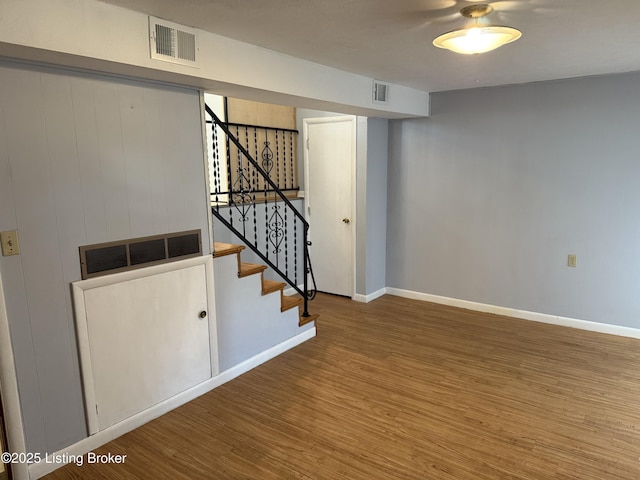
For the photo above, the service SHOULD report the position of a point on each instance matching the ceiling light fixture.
(477, 38)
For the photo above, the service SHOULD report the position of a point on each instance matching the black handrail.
(268, 190)
(261, 127)
(278, 192)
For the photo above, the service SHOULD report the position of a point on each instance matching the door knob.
(346, 220)
(203, 314)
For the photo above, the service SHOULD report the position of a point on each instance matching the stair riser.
(266, 287)
(248, 322)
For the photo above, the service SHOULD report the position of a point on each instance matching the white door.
(329, 172)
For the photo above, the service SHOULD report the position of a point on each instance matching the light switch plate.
(572, 260)
(9, 240)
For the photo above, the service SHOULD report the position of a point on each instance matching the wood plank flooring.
(401, 389)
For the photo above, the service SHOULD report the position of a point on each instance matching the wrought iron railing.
(274, 149)
(247, 197)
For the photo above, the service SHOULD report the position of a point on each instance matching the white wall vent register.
(171, 42)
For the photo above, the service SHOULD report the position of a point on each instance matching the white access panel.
(143, 337)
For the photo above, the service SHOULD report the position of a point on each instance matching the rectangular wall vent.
(113, 257)
(172, 42)
(380, 92)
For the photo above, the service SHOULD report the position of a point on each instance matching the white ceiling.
(391, 40)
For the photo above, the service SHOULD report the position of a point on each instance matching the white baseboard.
(86, 445)
(522, 314)
(262, 357)
(369, 298)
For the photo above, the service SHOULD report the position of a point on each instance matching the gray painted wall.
(361, 205)
(489, 196)
(83, 159)
(371, 200)
(376, 201)
(248, 322)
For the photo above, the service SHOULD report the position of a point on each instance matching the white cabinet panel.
(143, 340)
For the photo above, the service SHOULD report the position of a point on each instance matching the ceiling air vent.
(380, 92)
(172, 42)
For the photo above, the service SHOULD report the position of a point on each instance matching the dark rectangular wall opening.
(104, 258)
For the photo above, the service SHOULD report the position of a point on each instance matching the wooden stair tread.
(221, 249)
(247, 269)
(290, 302)
(270, 286)
(309, 319)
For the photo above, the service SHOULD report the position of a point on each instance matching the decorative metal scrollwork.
(267, 158)
(242, 196)
(248, 198)
(276, 229)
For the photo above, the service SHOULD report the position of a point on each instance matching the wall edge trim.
(10, 393)
(521, 314)
(358, 297)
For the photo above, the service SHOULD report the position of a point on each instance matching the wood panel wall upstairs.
(274, 150)
(262, 114)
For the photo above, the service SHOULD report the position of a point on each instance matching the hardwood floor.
(401, 389)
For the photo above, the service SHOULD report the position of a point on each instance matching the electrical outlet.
(572, 260)
(9, 240)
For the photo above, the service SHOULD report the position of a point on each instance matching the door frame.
(352, 119)
(9, 391)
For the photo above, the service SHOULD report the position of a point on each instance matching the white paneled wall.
(83, 159)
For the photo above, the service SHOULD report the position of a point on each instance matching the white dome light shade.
(477, 39)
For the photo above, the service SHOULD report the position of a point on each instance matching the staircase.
(268, 286)
(252, 206)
